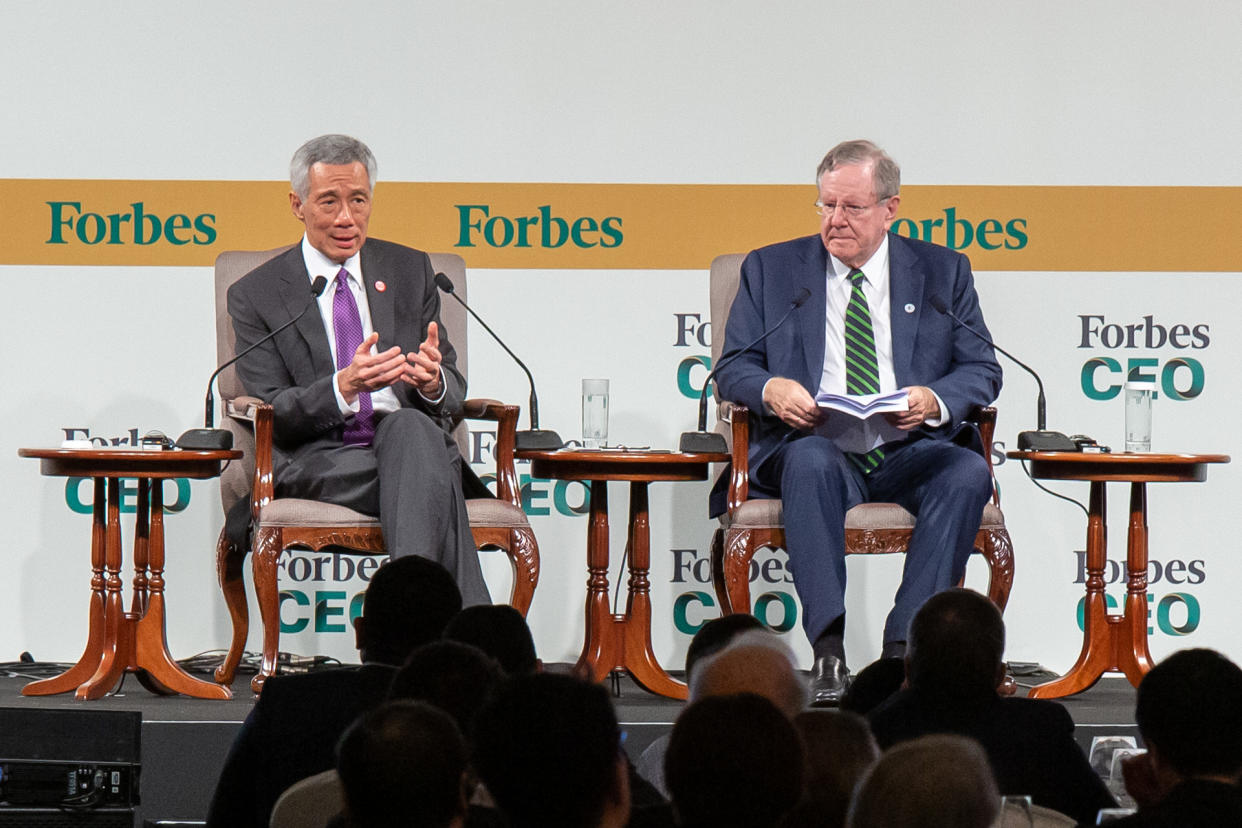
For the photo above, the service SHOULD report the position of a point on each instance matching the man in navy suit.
(925, 458)
(366, 390)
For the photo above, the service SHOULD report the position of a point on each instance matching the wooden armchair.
(280, 524)
(870, 528)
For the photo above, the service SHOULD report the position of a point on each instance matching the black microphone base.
(538, 440)
(206, 439)
(1045, 441)
(702, 442)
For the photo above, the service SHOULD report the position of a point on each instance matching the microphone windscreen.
(938, 304)
(802, 296)
(318, 285)
(444, 283)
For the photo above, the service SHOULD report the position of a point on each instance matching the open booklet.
(863, 406)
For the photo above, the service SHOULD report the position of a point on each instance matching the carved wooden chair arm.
(506, 418)
(738, 417)
(264, 484)
(242, 408)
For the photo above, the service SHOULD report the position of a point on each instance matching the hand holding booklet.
(863, 406)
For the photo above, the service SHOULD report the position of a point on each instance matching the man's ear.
(295, 204)
(360, 636)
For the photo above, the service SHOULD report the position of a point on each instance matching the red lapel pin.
(381, 287)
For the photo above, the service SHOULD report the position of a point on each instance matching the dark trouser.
(944, 485)
(411, 478)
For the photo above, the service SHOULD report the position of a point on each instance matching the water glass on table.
(594, 413)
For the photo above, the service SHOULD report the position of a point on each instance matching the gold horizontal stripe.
(623, 226)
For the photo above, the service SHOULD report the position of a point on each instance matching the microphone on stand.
(1041, 439)
(535, 439)
(210, 438)
(703, 441)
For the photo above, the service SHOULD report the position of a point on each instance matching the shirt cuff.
(347, 410)
(439, 397)
(946, 416)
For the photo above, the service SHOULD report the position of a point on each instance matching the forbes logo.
(476, 224)
(138, 226)
(958, 233)
(1180, 378)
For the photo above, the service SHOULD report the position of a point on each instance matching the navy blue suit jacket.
(929, 348)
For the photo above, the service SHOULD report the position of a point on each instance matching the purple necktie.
(347, 325)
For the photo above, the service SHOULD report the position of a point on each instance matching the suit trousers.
(944, 485)
(410, 476)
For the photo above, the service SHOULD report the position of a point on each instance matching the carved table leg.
(1133, 656)
(1097, 646)
(635, 625)
(157, 670)
(600, 650)
(91, 654)
(117, 640)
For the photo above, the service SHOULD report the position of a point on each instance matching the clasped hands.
(796, 407)
(371, 372)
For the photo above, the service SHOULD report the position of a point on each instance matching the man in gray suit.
(366, 390)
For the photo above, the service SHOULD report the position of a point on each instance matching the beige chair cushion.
(768, 514)
(295, 512)
(497, 513)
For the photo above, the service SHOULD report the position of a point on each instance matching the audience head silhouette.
(450, 676)
(752, 662)
(1189, 710)
(956, 646)
(403, 765)
(548, 748)
(717, 634)
(407, 604)
(938, 781)
(733, 761)
(838, 750)
(500, 631)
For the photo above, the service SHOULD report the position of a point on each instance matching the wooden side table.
(119, 641)
(621, 640)
(1113, 642)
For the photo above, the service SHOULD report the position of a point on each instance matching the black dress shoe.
(829, 681)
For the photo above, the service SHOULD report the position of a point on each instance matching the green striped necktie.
(862, 371)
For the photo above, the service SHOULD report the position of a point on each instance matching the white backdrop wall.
(1003, 94)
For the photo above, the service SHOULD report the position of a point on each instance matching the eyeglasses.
(851, 210)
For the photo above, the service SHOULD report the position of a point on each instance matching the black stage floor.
(184, 741)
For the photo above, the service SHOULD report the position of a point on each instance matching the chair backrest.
(726, 273)
(231, 265)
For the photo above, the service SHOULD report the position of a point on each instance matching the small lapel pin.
(381, 287)
(909, 307)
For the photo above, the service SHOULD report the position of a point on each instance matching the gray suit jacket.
(293, 372)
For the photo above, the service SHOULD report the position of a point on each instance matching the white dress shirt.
(384, 400)
(848, 433)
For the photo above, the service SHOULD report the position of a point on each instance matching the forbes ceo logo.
(138, 226)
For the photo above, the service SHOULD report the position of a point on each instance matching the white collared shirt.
(317, 264)
(850, 434)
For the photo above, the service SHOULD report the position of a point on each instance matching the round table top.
(621, 464)
(127, 461)
(1136, 467)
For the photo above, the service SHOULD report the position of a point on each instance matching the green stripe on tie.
(861, 367)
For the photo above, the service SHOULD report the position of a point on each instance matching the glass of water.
(594, 413)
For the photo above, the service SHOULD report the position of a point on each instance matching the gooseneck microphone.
(702, 440)
(535, 439)
(1041, 439)
(210, 438)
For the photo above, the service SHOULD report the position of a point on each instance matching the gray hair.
(756, 661)
(886, 175)
(328, 149)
